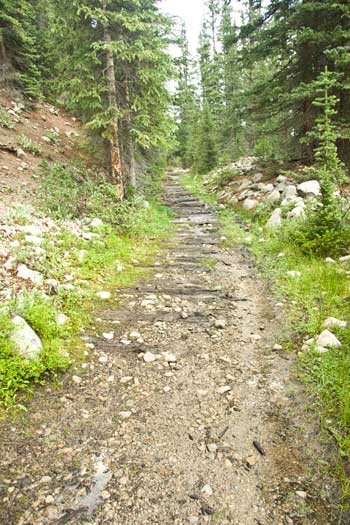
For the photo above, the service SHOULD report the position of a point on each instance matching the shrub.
(325, 230)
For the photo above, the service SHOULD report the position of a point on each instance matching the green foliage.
(18, 43)
(326, 229)
(16, 373)
(28, 145)
(6, 120)
(207, 155)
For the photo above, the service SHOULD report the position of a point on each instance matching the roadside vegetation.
(77, 258)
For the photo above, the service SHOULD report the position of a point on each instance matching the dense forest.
(259, 74)
(106, 62)
(250, 91)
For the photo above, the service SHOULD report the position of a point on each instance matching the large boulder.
(26, 342)
(273, 197)
(250, 204)
(290, 191)
(328, 340)
(25, 273)
(311, 188)
(267, 188)
(297, 212)
(275, 220)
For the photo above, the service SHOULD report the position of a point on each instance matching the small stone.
(212, 447)
(301, 494)
(193, 520)
(134, 335)
(329, 260)
(148, 357)
(207, 490)
(294, 273)
(220, 324)
(126, 379)
(104, 295)
(277, 348)
(332, 322)
(49, 500)
(45, 479)
(224, 389)
(77, 380)
(103, 359)
(170, 358)
(166, 389)
(346, 258)
(255, 337)
(108, 335)
(251, 461)
(125, 415)
(61, 319)
(96, 223)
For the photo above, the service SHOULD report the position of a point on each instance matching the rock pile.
(248, 187)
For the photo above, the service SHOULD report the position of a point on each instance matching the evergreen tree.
(18, 46)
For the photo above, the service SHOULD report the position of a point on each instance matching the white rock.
(310, 188)
(250, 204)
(277, 347)
(125, 415)
(224, 389)
(170, 358)
(273, 197)
(103, 359)
(33, 239)
(148, 357)
(267, 188)
(331, 322)
(345, 258)
(126, 379)
(296, 213)
(108, 335)
(327, 340)
(220, 324)
(26, 342)
(329, 260)
(275, 220)
(294, 273)
(77, 380)
(134, 335)
(104, 295)
(290, 191)
(321, 349)
(61, 319)
(207, 490)
(32, 229)
(282, 178)
(25, 273)
(96, 223)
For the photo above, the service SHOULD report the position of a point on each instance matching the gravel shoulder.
(182, 414)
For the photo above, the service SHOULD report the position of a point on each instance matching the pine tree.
(18, 46)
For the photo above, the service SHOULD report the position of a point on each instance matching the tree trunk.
(113, 147)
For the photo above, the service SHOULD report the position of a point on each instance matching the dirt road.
(183, 412)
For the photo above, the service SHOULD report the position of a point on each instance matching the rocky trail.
(184, 411)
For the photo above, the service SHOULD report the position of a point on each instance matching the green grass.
(322, 290)
(6, 120)
(29, 146)
(109, 261)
